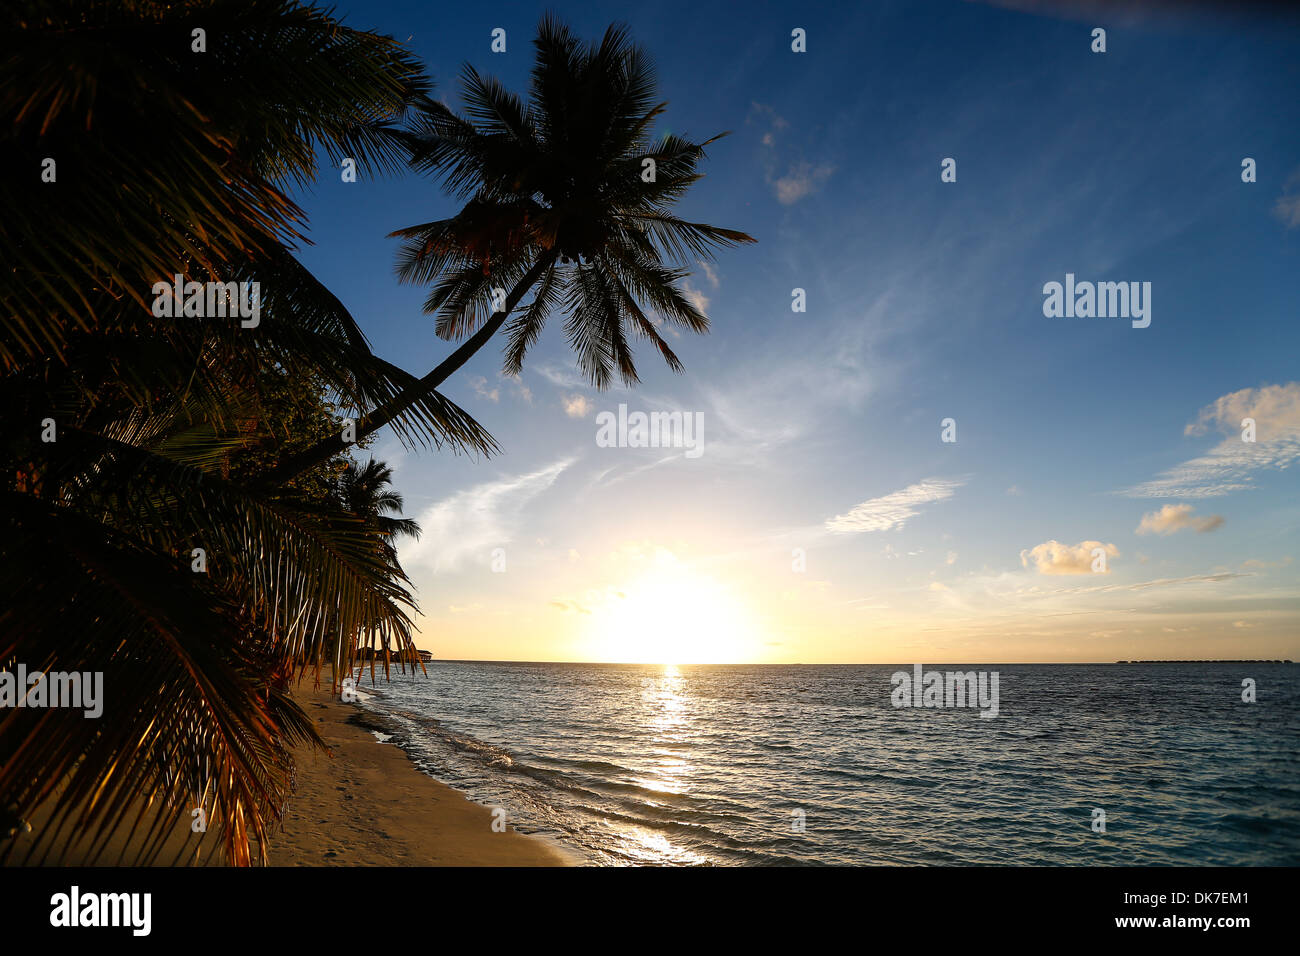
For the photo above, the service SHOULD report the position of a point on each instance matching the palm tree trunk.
(329, 447)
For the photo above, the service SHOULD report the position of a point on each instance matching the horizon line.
(1206, 660)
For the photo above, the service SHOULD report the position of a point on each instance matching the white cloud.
(1053, 557)
(800, 180)
(709, 272)
(1172, 518)
(466, 526)
(493, 394)
(893, 510)
(564, 378)
(576, 406)
(1229, 465)
(695, 296)
(479, 384)
(525, 392)
(1287, 207)
(768, 114)
(1275, 408)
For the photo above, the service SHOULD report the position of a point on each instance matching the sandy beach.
(369, 806)
(366, 805)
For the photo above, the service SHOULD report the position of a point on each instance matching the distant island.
(1206, 662)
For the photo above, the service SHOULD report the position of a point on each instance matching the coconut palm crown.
(568, 195)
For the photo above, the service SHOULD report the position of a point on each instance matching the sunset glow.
(672, 616)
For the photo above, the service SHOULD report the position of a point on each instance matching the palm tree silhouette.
(367, 494)
(176, 161)
(566, 195)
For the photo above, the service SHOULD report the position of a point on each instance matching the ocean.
(805, 765)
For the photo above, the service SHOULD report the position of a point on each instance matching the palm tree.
(135, 537)
(367, 493)
(567, 196)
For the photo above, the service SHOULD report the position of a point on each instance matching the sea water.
(782, 765)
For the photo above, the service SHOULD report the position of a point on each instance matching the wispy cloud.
(695, 296)
(493, 393)
(570, 607)
(479, 384)
(895, 509)
(466, 526)
(760, 407)
(523, 390)
(1266, 565)
(710, 273)
(1170, 582)
(766, 116)
(563, 377)
(1162, 14)
(800, 180)
(1228, 467)
(1287, 207)
(594, 598)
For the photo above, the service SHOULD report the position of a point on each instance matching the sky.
(1099, 501)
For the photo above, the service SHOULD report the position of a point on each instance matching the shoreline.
(366, 805)
(370, 805)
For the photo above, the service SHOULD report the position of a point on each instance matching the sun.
(672, 615)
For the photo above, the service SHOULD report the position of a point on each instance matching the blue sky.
(924, 302)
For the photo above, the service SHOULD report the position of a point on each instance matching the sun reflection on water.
(669, 720)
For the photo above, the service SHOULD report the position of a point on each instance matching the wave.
(709, 768)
